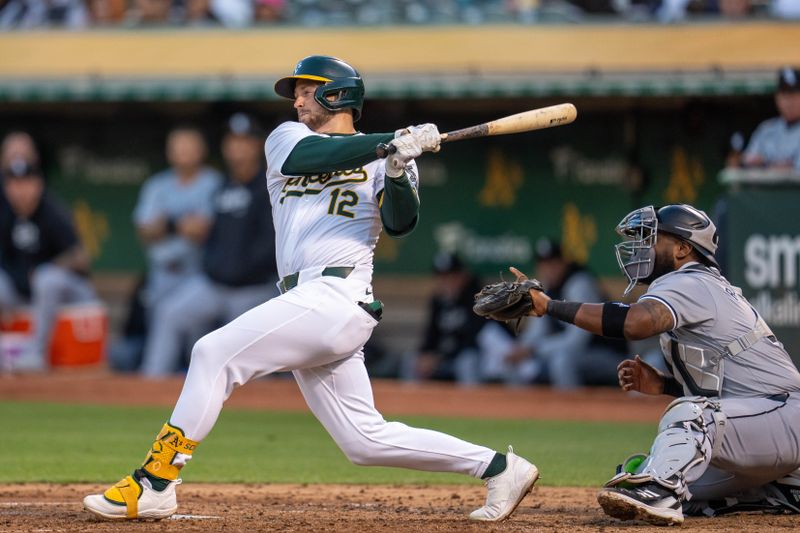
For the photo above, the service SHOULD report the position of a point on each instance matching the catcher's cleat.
(777, 497)
(132, 499)
(650, 502)
(507, 489)
(785, 492)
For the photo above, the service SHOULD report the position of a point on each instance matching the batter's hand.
(538, 298)
(407, 148)
(427, 134)
(636, 375)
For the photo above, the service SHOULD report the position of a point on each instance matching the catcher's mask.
(336, 77)
(636, 254)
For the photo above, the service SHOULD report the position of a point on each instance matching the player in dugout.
(730, 441)
(330, 195)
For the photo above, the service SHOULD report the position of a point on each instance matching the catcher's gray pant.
(760, 443)
(51, 287)
(710, 449)
(317, 331)
(191, 311)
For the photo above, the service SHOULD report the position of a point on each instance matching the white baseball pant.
(317, 331)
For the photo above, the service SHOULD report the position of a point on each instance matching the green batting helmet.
(337, 77)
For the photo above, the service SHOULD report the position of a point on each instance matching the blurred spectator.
(233, 13)
(735, 9)
(26, 14)
(449, 349)
(239, 269)
(525, 11)
(198, 14)
(551, 351)
(776, 142)
(604, 7)
(671, 11)
(106, 12)
(785, 9)
(18, 145)
(43, 263)
(151, 13)
(268, 11)
(173, 216)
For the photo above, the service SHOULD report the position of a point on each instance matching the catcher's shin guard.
(681, 445)
(150, 491)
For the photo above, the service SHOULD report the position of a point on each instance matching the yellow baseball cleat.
(135, 496)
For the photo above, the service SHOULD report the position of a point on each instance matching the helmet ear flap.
(350, 95)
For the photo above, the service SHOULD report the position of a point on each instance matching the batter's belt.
(289, 282)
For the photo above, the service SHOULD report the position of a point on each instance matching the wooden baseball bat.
(535, 119)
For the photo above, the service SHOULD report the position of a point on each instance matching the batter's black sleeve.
(316, 155)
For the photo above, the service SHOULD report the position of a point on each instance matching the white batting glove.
(407, 148)
(427, 134)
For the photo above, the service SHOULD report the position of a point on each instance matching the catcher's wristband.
(563, 311)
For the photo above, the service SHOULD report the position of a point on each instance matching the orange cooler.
(79, 336)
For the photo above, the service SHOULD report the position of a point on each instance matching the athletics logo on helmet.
(338, 79)
(636, 255)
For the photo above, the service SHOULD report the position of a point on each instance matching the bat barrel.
(535, 119)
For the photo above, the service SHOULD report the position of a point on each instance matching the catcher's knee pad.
(629, 473)
(682, 442)
(170, 451)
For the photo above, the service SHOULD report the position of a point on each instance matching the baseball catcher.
(730, 441)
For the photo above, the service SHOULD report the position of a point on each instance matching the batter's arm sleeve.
(316, 154)
(399, 206)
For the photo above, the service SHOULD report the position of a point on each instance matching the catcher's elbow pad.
(614, 314)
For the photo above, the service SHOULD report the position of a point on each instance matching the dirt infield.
(338, 508)
(341, 508)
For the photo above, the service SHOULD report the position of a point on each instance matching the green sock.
(157, 483)
(497, 466)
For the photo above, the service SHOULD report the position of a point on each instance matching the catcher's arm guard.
(506, 301)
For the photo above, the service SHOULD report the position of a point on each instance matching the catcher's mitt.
(506, 300)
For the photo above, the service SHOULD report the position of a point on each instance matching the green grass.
(78, 443)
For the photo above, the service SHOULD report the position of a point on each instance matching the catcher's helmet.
(337, 78)
(636, 254)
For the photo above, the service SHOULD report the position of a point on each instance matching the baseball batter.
(330, 197)
(733, 433)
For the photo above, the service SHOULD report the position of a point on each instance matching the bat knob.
(383, 150)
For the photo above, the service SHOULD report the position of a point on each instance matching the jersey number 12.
(340, 201)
